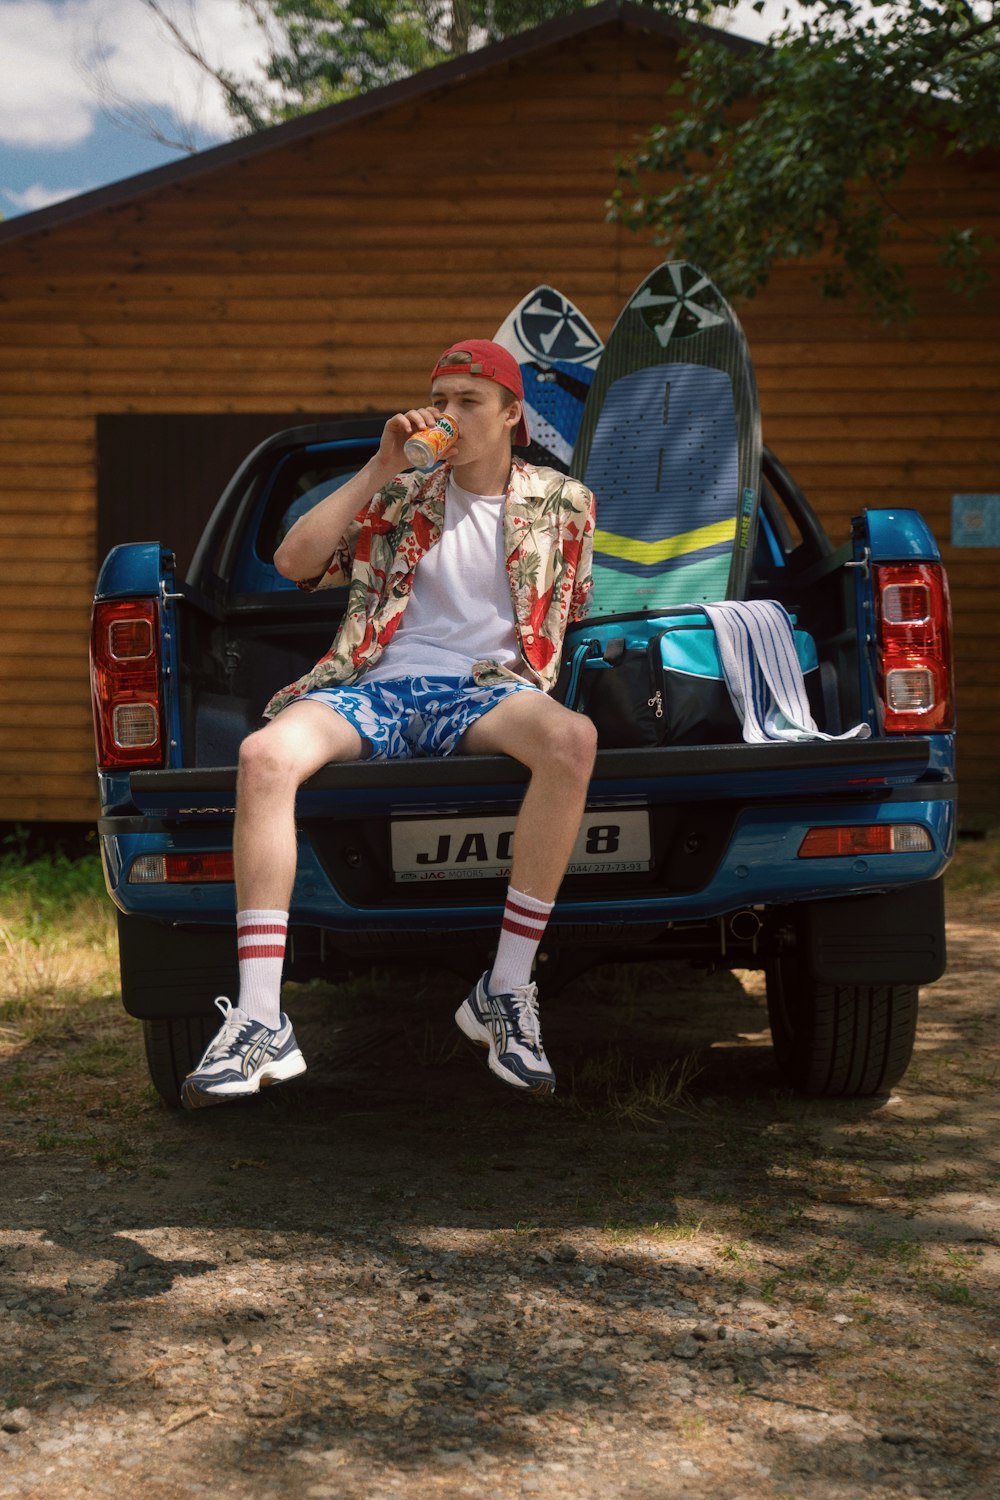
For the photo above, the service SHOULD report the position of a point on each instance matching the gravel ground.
(397, 1278)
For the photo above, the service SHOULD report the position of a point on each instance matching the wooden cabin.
(154, 330)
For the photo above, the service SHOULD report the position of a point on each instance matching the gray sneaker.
(508, 1026)
(242, 1058)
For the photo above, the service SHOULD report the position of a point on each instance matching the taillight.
(172, 869)
(125, 683)
(865, 838)
(916, 679)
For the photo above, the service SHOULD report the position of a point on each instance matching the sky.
(81, 81)
(57, 137)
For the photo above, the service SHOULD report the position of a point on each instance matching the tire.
(173, 1048)
(839, 1041)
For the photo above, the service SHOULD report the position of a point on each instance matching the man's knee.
(264, 760)
(572, 745)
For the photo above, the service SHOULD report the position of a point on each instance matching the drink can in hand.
(425, 447)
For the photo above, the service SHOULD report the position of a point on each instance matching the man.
(462, 584)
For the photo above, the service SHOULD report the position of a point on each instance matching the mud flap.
(897, 937)
(168, 972)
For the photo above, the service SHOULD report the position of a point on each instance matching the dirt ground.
(395, 1278)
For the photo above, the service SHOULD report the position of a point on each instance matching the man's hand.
(396, 431)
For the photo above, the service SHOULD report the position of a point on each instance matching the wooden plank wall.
(327, 274)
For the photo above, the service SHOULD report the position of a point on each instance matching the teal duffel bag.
(658, 680)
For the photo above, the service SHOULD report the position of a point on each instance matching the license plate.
(609, 843)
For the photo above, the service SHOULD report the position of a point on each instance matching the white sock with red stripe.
(524, 920)
(260, 946)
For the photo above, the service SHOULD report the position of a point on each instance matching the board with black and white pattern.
(670, 443)
(558, 352)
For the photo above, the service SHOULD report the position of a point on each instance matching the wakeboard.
(558, 352)
(670, 443)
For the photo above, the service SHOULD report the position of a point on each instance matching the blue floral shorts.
(408, 716)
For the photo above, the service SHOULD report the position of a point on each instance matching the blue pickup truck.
(818, 862)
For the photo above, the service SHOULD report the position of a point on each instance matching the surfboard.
(670, 443)
(558, 352)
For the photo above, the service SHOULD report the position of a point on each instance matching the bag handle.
(580, 655)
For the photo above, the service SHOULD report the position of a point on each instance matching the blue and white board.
(670, 443)
(558, 352)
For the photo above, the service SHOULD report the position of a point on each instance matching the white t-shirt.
(460, 609)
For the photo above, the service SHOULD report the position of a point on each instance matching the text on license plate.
(609, 842)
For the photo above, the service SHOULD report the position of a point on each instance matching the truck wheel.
(173, 1047)
(846, 1041)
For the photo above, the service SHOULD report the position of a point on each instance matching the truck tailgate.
(751, 772)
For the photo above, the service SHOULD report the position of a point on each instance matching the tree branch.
(239, 103)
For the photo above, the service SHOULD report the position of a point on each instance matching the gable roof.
(334, 116)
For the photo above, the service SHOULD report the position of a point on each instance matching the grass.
(434, 1045)
(57, 941)
(65, 1043)
(38, 893)
(627, 1231)
(976, 865)
(104, 1057)
(634, 1097)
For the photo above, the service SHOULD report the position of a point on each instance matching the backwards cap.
(486, 361)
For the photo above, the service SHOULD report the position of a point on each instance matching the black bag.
(658, 681)
(634, 701)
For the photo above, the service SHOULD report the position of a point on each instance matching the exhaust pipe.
(744, 925)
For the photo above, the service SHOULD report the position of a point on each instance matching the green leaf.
(840, 106)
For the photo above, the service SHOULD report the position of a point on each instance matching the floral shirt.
(548, 539)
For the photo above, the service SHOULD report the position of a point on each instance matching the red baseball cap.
(487, 361)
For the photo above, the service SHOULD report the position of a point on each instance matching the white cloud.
(39, 196)
(42, 101)
(54, 53)
(146, 66)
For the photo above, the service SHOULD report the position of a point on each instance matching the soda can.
(425, 447)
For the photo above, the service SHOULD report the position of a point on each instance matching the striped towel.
(763, 675)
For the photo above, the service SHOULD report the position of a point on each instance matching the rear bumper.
(773, 793)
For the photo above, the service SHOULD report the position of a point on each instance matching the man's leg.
(274, 762)
(558, 747)
(256, 1045)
